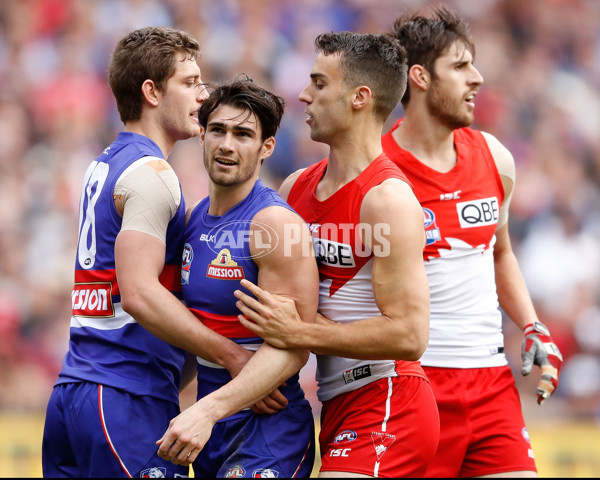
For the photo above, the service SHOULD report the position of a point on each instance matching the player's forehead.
(457, 52)
(326, 67)
(185, 67)
(234, 117)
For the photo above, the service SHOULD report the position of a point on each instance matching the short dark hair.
(426, 39)
(374, 60)
(147, 53)
(245, 94)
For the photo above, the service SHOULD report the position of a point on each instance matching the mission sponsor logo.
(478, 213)
(92, 300)
(224, 267)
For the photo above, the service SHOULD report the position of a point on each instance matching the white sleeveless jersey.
(461, 210)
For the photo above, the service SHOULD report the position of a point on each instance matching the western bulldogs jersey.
(216, 256)
(461, 210)
(345, 266)
(107, 346)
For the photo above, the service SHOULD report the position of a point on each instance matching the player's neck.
(348, 157)
(429, 141)
(224, 197)
(155, 134)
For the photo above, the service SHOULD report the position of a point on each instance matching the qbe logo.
(478, 213)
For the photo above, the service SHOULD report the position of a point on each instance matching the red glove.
(538, 348)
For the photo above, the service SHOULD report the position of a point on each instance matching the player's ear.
(419, 76)
(267, 148)
(150, 92)
(361, 97)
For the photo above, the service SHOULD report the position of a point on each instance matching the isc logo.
(340, 452)
(478, 213)
(357, 373)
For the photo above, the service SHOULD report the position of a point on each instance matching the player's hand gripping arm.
(399, 285)
(291, 271)
(537, 348)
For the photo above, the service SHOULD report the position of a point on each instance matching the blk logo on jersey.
(432, 232)
(223, 267)
(478, 213)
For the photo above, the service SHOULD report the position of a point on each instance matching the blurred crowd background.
(541, 63)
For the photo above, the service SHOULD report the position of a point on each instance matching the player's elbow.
(418, 345)
(416, 337)
(133, 301)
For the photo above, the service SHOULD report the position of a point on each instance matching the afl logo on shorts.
(236, 472)
(432, 232)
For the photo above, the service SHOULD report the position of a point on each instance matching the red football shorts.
(388, 428)
(482, 425)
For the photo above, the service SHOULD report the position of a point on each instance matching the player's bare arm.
(513, 295)
(291, 272)
(399, 284)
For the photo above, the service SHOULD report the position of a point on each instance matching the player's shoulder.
(504, 160)
(158, 164)
(288, 183)
(276, 217)
(395, 194)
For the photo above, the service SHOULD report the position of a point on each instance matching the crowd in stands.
(541, 63)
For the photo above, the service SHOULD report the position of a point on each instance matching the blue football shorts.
(93, 430)
(249, 445)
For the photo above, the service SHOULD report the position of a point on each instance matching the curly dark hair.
(245, 94)
(426, 39)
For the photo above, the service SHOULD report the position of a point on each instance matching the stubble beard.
(446, 110)
(229, 180)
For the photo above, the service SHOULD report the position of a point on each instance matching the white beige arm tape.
(151, 195)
